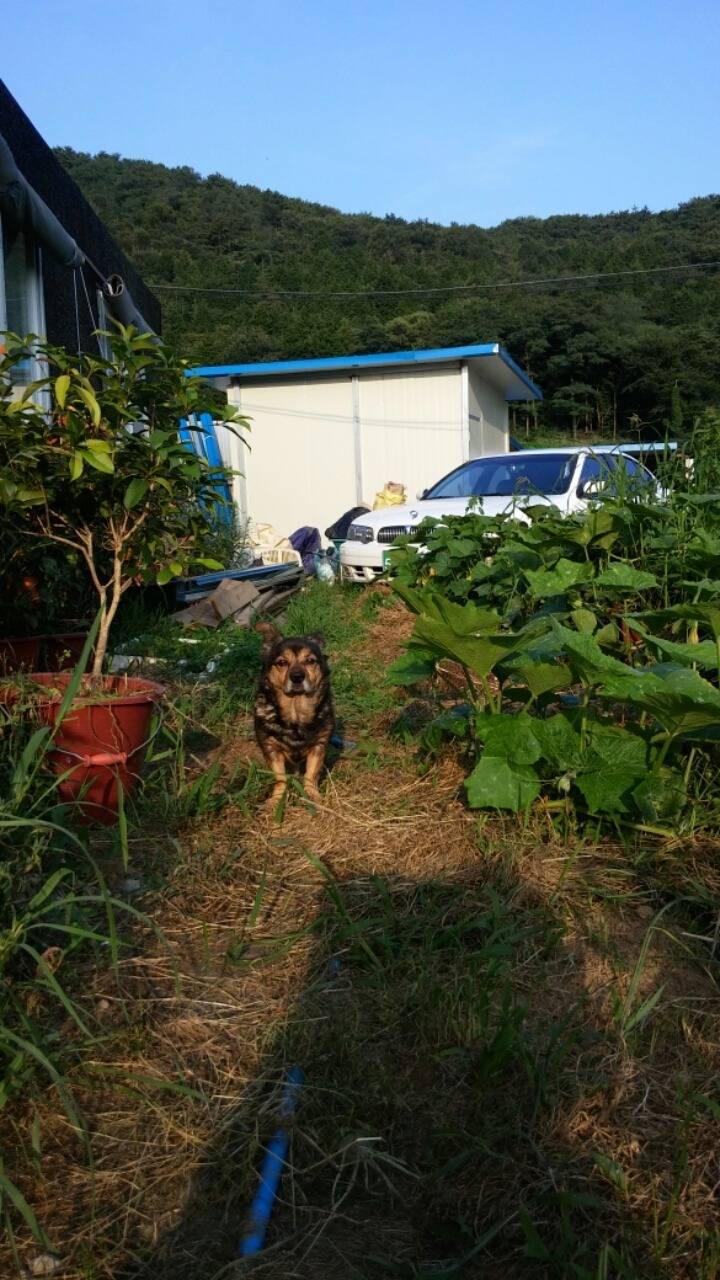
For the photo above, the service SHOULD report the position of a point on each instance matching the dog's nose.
(297, 675)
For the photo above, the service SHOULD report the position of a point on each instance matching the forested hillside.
(608, 354)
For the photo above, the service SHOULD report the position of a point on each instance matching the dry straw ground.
(481, 1064)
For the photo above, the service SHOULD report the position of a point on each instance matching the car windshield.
(508, 475)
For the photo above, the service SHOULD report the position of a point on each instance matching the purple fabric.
(307, 542)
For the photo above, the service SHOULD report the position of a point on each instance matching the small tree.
(90, 458)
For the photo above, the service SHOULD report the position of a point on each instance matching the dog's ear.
(270, 636)
(317, 638)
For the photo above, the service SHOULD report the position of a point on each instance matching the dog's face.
(295, 665)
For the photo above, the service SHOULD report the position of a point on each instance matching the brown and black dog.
(294, 717)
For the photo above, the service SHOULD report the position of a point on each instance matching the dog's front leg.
(313, 768)
(276, 762)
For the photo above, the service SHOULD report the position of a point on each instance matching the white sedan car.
(564, 478)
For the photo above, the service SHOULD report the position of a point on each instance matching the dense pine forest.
(629, 356)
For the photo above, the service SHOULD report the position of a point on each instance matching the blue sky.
(460, 111)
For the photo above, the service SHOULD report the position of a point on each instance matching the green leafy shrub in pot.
(90, 460)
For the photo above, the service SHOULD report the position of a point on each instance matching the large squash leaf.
(496, 784)
(680, 700)
(556, 581)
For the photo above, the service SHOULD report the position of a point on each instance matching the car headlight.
(360, 533)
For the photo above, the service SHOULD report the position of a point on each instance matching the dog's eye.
(281, 662)
(311, 662)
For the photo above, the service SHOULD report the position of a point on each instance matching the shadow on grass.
(470, 1107)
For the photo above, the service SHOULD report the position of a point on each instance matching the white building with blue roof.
(328, 433)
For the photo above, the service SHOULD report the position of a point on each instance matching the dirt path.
(459, 994)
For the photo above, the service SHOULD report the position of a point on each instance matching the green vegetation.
(492, 944)
(591, 652)
(99, 468)
(628, 355)
(506, 1026)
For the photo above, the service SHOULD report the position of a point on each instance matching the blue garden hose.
(273, 1168)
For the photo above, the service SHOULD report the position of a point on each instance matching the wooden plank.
(231, 596)
(269, 602)
(199, 614)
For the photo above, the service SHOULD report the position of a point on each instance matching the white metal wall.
(300, 466)
(411, 427)
(320, 445)
(489, 420)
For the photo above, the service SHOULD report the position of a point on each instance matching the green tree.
(628, 338)
(90, 460)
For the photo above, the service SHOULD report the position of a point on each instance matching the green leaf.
(411, 667)
(558, 580)
(643, 1011)
(659, 796)
(478, 653)
(16, 1197)
(587, 657)
(611, 1170)
(608, 634)
(49, 887)
(496, 784)
(611, 744)
(467, 619)
(100, 461)
(164, 576)
(462, 547)
(454, 723)
(91, 403)
(98, 445)
(704, 654)
(607, 790)
(680, 700)
(158, 438)
(76, 465)
(541, 677)
(135, 492)
(699, 613)
(534, 1246)
(584, 620)
(624, 577)
(208, 563)
(62, 386)
(508, 737)
(559, 741)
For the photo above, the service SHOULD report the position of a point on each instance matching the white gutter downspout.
(237, 458)
(357, 438)
(464, 412)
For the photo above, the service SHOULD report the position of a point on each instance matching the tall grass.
(54, 906)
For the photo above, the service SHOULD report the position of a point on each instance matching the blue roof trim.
(326, 364)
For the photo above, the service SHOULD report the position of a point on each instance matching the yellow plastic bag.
(393, 495)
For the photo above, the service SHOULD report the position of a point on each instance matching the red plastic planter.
(101, 741)
(62, 652)
(17, 652)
